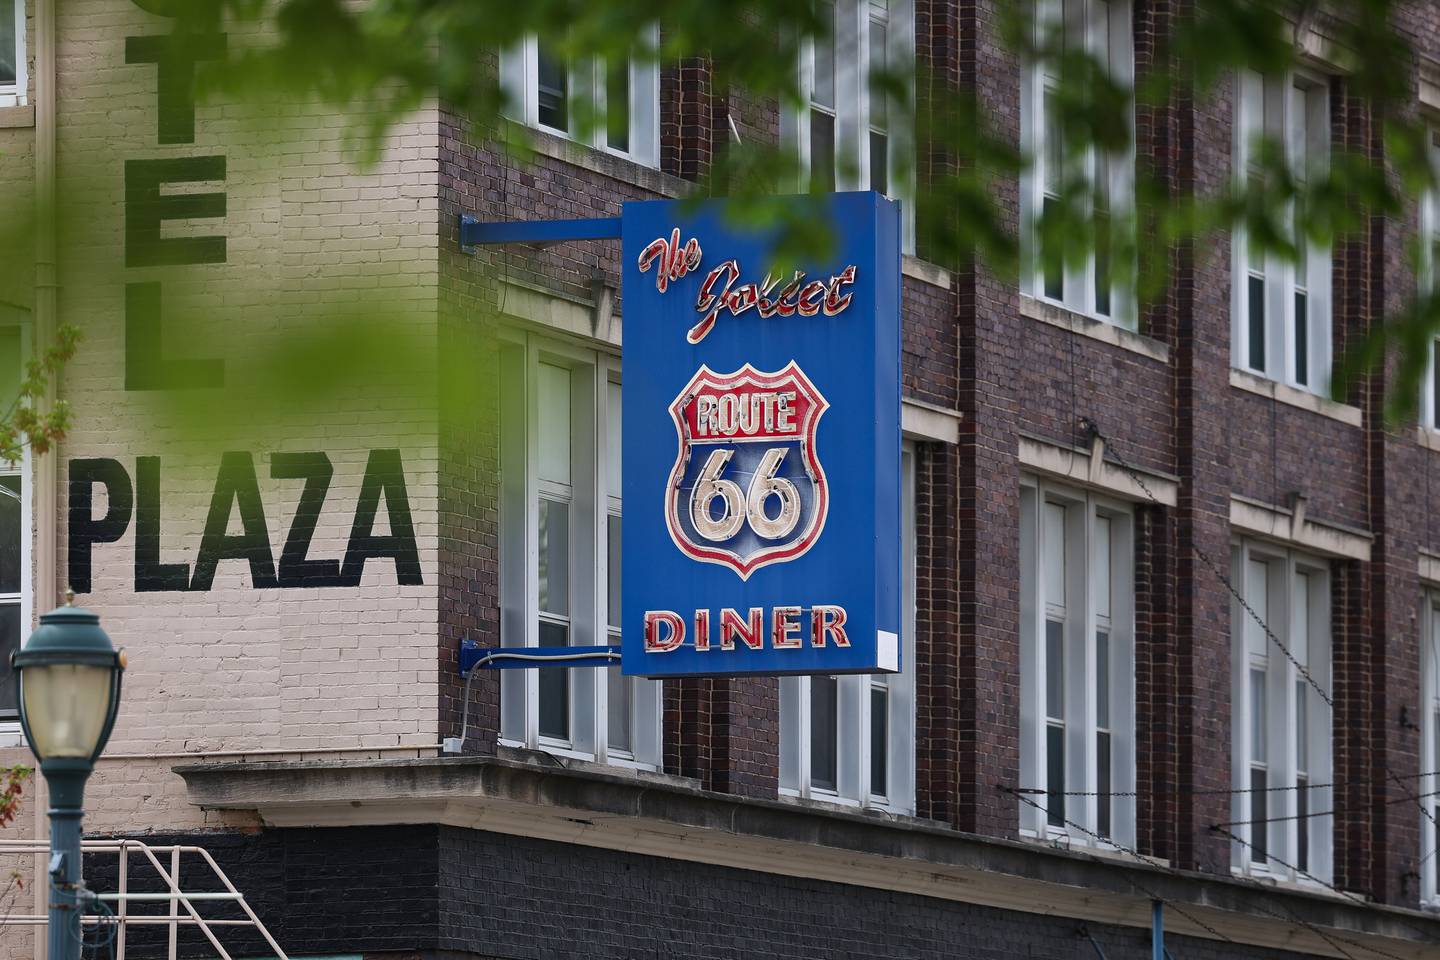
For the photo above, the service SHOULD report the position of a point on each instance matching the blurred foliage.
(380, 60)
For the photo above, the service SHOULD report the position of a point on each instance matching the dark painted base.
(447, 894)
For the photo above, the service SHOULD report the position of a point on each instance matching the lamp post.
(68, 676)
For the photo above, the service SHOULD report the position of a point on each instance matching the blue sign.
(761, 444)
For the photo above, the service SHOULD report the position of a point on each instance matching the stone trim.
(1115, 336)
(645, 815)
(1289, 525)
(1291, 396)
(925, 272)
(549, 310)
(1428, 567)
(12, 118)
(925, 421)
(1089, 468)
(598, 161)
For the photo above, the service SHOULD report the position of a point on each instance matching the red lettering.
(654, 620)
(828, 620)
(785, 628)
(808, 303)
(702, 630)
(834, 302)
(751, 632)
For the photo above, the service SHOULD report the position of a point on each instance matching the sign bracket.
(537, 233)
(475, 657)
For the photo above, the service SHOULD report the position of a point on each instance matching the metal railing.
(183, 911)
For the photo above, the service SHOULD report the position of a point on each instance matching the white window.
(612, 106)
(1091, 285)
(1077, 665)
(1429, 281)
(15, 578)
(560, 555)
(1280, 725)
(851, 135)
(851, 739)
(12, 52)
(1429, 786)
(1281, 310)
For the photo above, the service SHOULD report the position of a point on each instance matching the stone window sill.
(925, 272)
(610, 165)
(14, 118)
(1286, 394)
(1115, 336)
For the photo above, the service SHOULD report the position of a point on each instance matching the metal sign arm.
(539, 233)
(475, 657)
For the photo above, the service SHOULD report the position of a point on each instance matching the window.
(12, 53)
(1429, 262)
(851, 739)
(1077, 665)
(611, 106)
(1281, 310)
(851, 135)
(15, 576)
(560, 530)
(1429, 786)
(1280, 726)
(1101, 28)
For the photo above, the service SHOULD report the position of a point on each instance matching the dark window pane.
(1051, 261)
(11, 347)
(612, 541)
(879, 158)
(1435, 382)
(1102, 263)
(553, 81)
(823, 727)
(11, 534)
(1102, 770)
(1302, 339)
(617, 105)
(878, 68)
(1055, 669)
(1259, 805)
(822, 91)
(879, 741)
(617, 709)
(1256, 311)
(1102, 679)
(554, 686)
(822, 151)
(9, 642)
(1302, 809)
(554, 569)
(1055, 775)
(7, 41)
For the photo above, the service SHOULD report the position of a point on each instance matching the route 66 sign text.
(762, 537)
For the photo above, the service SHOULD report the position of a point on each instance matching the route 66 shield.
(747, 489)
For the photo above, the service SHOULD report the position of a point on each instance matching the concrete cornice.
(658, 816)
(1089, 468)
(1291, 526)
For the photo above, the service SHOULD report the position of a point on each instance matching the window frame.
(854, 718)
(1281, 840)
(1426, 276)
(593, 503)
(519, 79)
(25, 598)
(1428, 786)
(1268, 104)
(1080, 608)
(17, 94)
(1118, 37)
(852, 111)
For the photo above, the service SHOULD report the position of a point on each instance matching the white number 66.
(749, 505)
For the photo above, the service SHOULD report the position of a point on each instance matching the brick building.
(1173, 613)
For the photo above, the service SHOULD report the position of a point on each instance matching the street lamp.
(68, 675)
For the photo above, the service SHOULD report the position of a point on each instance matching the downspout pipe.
(43, 494)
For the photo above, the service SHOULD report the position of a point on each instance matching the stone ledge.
(14, 118)
(655, 816)
(596, 160)
(1291, 396)
(1115, 336)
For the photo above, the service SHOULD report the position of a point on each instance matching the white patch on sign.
(887, 651)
